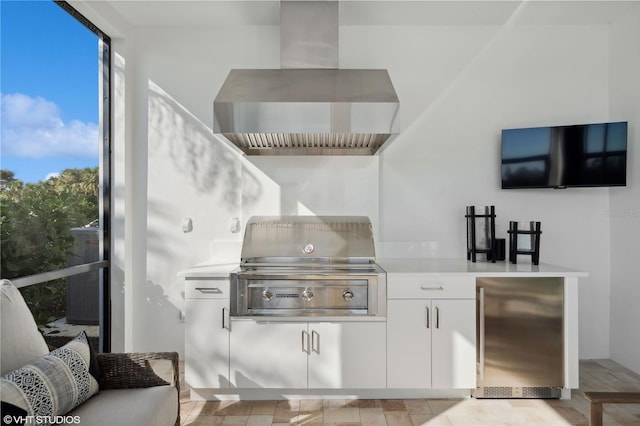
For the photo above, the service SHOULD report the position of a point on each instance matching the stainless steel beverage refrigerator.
(520, 337)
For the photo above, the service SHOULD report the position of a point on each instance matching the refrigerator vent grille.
(498, 392)
(518, 392)
(540, 392)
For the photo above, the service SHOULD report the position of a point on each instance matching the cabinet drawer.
(430, 287)
(207, 288)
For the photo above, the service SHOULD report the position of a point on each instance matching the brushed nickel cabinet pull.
(431, 287)
(426, 316)
(224, 318)
(315, 342)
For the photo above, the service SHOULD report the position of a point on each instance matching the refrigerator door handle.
(481, 329)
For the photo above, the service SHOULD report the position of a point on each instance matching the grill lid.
(286, 239)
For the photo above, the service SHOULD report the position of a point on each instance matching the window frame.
(103, 266)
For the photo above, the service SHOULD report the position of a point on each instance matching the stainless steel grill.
(311, 266)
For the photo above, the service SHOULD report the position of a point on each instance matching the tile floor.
(595, 375)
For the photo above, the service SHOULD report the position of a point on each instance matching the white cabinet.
(431, 332)
(207, 332)
(349, 355)
(453, 344)
(336, 355)
(268, 355)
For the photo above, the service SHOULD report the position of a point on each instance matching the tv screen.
(565, 156)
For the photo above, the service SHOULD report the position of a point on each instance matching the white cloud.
(32, 128)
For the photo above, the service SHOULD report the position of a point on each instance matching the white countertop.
(422, 266)
(209, 270)
(465, 267)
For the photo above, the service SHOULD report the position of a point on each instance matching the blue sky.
(49, 87)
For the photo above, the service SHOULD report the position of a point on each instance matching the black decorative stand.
(488, 228)
(534, 247)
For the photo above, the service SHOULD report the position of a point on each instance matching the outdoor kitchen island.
(424, 347)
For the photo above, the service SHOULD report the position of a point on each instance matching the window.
(54, 184)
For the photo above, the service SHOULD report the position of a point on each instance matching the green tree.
(35, 224)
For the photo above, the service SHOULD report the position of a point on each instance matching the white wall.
(458, 85)
(625, 202)
(192, 174)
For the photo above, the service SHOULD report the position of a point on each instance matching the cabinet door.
(207, 343)
(349, 355)
(409, 344)
(453, 344)
(268, 355)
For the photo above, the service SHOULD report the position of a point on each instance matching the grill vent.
(308, 143)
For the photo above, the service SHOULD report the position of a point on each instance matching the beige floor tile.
(441, 405)
(334, 403)
(398, 418)
(203, 420)
(290, 404)
(260, 420)
(284, 415)
(430, 420)
(308, 418)
(364, 403)
(263, 407)
(595, 375)
(372, 416)
(393, 405)
(236, 408)
(417, 406)
(235, 420)
(341, 415)
(307, 405)
(572, 416)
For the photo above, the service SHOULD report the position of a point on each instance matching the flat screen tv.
(565, 156)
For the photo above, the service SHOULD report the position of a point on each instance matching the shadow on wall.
(196, 152)
(159, 318)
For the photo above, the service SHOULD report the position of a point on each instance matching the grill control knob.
(347, 295)
(267, 295)
(307, 295)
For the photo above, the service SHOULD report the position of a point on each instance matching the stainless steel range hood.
(309, 106)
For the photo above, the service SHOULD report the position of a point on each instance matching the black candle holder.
(533, 250)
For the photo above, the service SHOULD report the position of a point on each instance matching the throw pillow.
(52, 385)
(20, 339)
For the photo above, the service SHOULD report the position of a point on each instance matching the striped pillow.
(54, 384)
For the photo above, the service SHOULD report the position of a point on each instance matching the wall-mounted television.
(580, 155)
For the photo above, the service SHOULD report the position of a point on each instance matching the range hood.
(309, 106)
